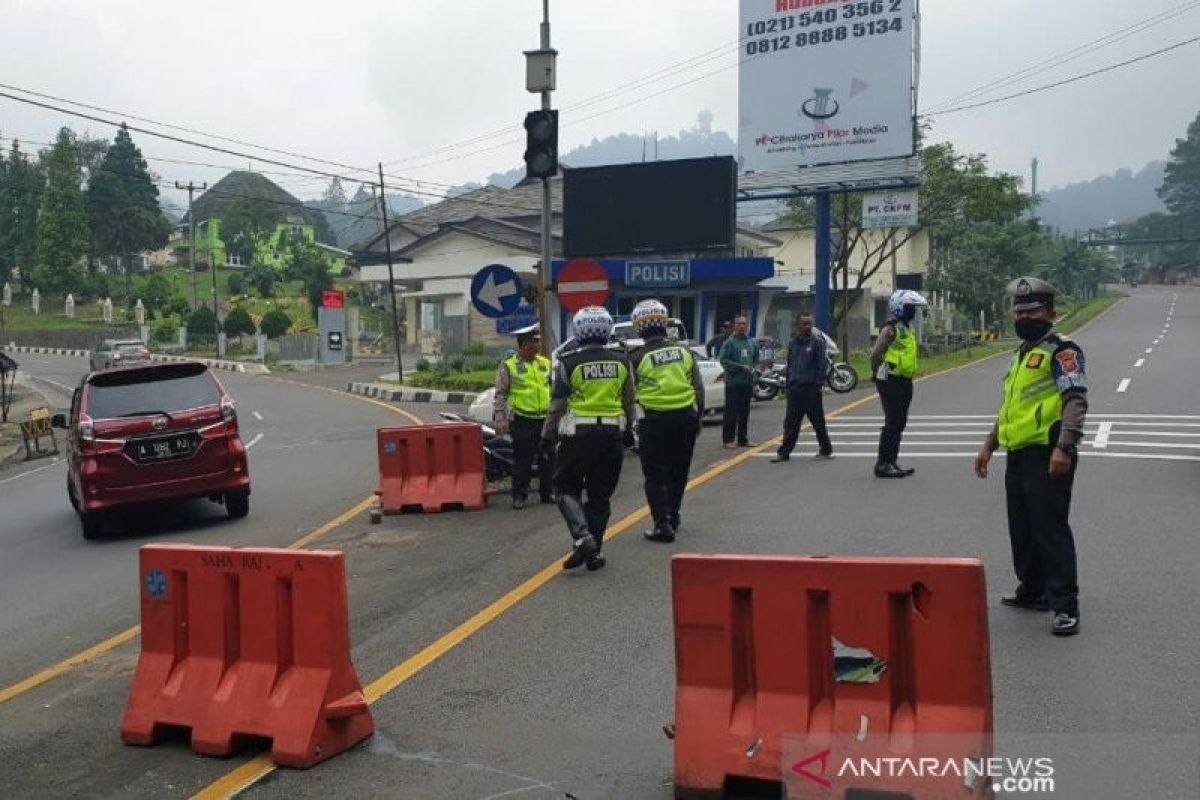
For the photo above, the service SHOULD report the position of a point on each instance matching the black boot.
(888, 471)
(906, 470)
(585, 546)
(662, 532)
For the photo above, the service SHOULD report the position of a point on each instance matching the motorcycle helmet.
(902, 298)
(593, 325)
(649, 316)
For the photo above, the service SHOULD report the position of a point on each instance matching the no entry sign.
(582, 282)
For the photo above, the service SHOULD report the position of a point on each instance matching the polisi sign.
(658, 274)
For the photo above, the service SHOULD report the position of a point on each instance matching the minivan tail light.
(228, 412)
(87, 431)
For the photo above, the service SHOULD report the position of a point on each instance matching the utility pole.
(192, 235)
(387, 239)
(547, 213)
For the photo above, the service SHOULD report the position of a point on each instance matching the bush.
(238, 322)
(99, 285)
(165, 330)
(237, 284)
(456, 363)
(275, 323)
(423, 365)
(177, 306)
(201, 323)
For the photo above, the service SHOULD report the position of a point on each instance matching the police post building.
(666, 230)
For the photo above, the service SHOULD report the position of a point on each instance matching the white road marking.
(257, 416)
(42, 468)
(797, 454)
(1156, 341)
(1139, 362)
(1149, 350)
(257, 438)
(1123, 385)
(1101, 440)
(55, 384)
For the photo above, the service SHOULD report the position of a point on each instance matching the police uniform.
(1043, 409)
(670, 391)
(523, 398)
(897, 349)
(591, 410)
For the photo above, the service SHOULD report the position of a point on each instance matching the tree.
(236, 284)
(247, 224)
(21, 184)
(275, 323)
(1180, 190)
(157, 293)
(238, 322)
(202, 324)
(62, 229)
(308, 265)
(263, 279)
(123, 205)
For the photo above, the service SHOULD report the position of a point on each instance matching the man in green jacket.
(739, 359)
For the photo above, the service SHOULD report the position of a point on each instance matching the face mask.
(908, 314)
(1032, 330)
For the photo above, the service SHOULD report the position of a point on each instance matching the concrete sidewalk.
(26, 397)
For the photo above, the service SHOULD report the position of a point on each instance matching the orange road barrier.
(431, 468)
(789, 669)
(246, 642)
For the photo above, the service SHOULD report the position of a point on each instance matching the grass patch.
(1074, 316)
(474, 381)
(19, 317)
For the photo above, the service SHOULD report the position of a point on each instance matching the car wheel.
(71, 495)
(237, 504)
(92, 524)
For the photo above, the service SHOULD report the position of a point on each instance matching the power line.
(1065, 81)
(1070, 55)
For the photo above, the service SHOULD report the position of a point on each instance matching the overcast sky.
(359, 81)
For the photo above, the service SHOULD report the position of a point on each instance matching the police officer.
(591, 414)
(670, 391)
(1040, 424)
(893, 365)
(521, 404)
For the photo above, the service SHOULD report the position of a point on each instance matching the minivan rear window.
(133, 393)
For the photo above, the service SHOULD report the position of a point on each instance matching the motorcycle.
(840, 376)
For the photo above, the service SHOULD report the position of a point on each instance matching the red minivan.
(152, 433)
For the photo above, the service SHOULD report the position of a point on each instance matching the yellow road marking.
(113, 642)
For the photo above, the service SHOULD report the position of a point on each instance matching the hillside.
(1121, 197)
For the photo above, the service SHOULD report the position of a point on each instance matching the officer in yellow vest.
(893, 366)
(591, 416)
(670, 391)
(1040, 424)
(521, 404)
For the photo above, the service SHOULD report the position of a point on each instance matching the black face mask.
(1032, 330)
(908, 313)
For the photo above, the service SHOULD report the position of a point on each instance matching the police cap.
(525, 334)
(1029, 293)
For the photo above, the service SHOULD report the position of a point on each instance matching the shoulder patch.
(1068, 360)
(1035, 361)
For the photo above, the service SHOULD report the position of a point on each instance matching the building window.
(432, 312)
(233, 260)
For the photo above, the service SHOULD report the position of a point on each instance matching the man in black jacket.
(807, 368)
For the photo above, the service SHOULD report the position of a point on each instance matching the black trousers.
(526, 435)
(666, 441)
(804, 401)
(895, 395)
(1043, 546)
(590, 462)
(737, 414)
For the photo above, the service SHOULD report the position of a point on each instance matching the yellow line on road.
(113, 642)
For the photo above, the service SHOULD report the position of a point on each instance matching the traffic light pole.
(547, 214)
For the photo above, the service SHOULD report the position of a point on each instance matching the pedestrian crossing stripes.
(1162, 437)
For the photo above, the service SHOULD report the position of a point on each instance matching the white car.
(710, 371)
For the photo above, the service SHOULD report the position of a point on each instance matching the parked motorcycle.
(841, 377)
(497, 449)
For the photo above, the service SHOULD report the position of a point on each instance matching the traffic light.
(541, 144)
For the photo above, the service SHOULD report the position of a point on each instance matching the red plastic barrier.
(759, 695)
(246, 642)
(430, 467)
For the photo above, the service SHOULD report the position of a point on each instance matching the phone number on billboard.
(825, 35)
(826, 16)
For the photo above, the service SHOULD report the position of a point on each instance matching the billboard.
(824, 82)
(893, 209)
(656, 207)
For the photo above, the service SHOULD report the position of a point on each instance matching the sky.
(402, 81)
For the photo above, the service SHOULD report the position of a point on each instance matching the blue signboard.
(658, 274)
(496, 291)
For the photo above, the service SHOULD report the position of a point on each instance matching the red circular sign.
(582, 282)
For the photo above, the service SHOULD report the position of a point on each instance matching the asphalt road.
(561, 687)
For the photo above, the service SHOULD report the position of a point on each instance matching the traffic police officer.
(670, 391)
(521, 404)
(591, 414)
(893, 365)
(1040, 424)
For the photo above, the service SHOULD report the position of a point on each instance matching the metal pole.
(216, 310)
(822, 282)
(547, 213)
(191, 187)
(387, 239)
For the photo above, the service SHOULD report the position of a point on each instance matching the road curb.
(381, 391)
(212, 363)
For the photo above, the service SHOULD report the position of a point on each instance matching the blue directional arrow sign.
(496, 291)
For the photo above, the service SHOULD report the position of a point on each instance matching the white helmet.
(593, 324)
(902, 298)
(649, 315)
